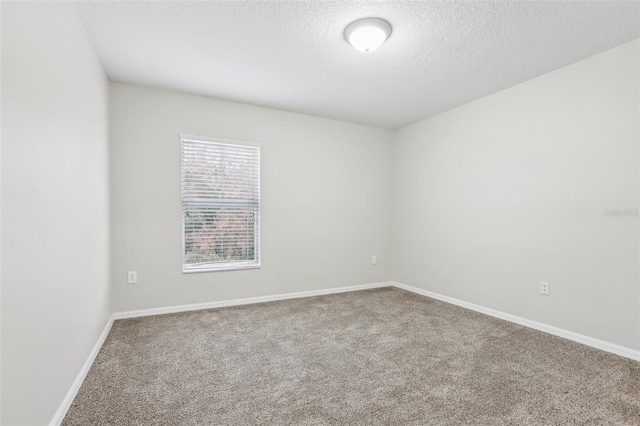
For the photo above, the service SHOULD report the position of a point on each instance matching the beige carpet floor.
(375, 357)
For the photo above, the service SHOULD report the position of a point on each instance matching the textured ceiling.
(291, 55)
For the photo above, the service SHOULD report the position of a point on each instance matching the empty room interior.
(320, 213)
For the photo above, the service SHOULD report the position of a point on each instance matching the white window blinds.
(220, 204)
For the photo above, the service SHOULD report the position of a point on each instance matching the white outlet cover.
(544, 288)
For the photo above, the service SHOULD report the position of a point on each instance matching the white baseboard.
(77, 383)
(589, 341)
(570, 335)
(247, 301)
(75, 387)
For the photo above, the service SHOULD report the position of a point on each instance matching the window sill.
(223, 268)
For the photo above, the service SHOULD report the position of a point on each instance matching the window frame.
(227, 266)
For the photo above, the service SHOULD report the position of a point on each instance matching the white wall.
(497, 195)
(55, 275)
(325, 191)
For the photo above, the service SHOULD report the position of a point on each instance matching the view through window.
(220, 204)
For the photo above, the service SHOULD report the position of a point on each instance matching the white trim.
(75, 387)
(194, 138)
(585, 340)
(223, 267)
(570, 335)
(247, 301)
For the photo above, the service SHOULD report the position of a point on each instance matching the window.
(220, 204)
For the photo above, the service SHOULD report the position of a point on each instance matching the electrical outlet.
(374, 260)
(544, 288)
(132, 277)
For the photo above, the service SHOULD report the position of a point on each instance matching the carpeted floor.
(375, 357)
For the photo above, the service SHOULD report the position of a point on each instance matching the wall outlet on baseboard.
(132, 277)
(544, 288)
(374, 260)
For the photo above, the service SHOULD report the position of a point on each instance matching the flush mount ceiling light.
(367, 34)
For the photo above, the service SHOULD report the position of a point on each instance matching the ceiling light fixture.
(367, 34)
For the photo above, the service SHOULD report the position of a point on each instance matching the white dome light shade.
(367, 34)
